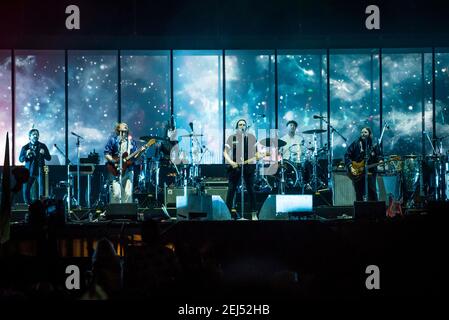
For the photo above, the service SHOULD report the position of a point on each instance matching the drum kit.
(171, 166)
(422, 178)
(298, 167)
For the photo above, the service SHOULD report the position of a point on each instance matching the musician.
(164, 148)
(356, 153)
(120, 143)
(34, 155)
(234, 157)
(292, 139)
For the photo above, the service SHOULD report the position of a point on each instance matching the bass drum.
(291, 176)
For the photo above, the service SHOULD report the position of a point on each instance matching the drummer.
(164, 147)
(293, 147)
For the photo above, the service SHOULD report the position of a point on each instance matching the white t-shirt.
(291, 141)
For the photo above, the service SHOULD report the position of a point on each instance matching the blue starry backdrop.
(5, 102)
(250, 95)
(145, 89)
(198, 99)
(40, 100)
(249, 91)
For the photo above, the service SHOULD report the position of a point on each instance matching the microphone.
(76, 135)
(318, 117)
(387, 126)
(191, 125)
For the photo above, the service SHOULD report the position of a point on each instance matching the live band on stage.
(297, 163)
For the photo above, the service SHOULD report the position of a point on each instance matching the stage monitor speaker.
(369, 210)
(285, 206)
(343, 193)
(121, 211)
(204, 207)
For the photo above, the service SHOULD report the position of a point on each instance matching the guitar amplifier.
(221, 191)
(343, 193)
(172, 193)
(85, 169)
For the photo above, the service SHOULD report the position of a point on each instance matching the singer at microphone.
(34, 154)
(240, 154)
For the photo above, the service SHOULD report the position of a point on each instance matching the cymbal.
(411, 156)
(268, 142)
(148, 138)
(313, 131)
(192, 135)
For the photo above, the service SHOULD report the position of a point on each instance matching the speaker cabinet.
(217, 191)
(344, 194)
(172, 193)
(121, 211)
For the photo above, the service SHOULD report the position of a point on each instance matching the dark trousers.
(234, 179)
(31, 185)
(359, 187)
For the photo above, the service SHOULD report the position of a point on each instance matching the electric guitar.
(258, 156)
(394, 207)
(359, 167)
(127, 159)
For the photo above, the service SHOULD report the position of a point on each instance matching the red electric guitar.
(127, 159)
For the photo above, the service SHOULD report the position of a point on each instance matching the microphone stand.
(78, 171)
(330, 155)
(120, 164)
(242, 183)
(367, 154)
(40, 168)
(69, 185)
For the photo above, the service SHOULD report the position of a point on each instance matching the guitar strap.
(124, 146)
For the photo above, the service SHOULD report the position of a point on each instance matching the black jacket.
(36, 160)
(356, 152)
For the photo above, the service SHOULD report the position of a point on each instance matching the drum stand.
(261, 181)
(439, 168)
(69, 196)
(282, 183)
(314, 180)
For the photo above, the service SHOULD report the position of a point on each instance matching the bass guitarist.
(120, 143)
(355, 162)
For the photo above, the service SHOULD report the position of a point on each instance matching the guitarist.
(234, 157)
(356, 153)
(120, 143)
